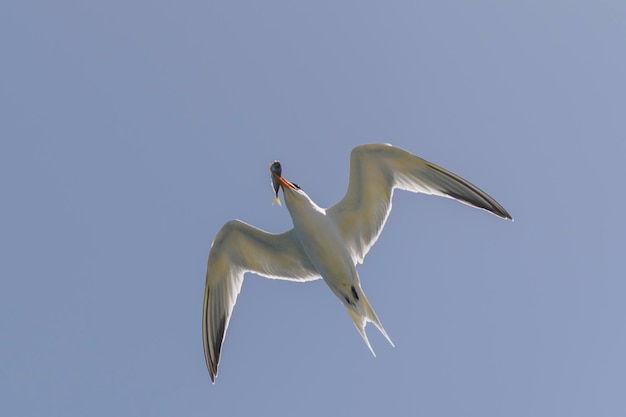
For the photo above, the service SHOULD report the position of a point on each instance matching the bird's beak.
(278, 180)
(282, 181)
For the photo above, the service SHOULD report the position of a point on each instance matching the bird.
(324, 243)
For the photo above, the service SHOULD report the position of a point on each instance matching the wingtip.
(506, 216)
(499, 211)
(213, 372)
(212, 351)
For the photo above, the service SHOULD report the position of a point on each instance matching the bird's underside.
(324, 243)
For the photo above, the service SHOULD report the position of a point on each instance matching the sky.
(132, 131)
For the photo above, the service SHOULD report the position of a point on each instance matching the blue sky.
(131, 131)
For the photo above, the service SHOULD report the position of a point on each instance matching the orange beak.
(278, 179)
(283, 181)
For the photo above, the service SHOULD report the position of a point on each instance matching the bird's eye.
(297, 186)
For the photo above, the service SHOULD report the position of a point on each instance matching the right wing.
(239, 248)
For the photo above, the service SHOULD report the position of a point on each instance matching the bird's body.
(324, 243)
(321, 243)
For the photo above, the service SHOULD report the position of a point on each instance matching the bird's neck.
(300, 205)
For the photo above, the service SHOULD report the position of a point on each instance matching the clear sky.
(131, 131)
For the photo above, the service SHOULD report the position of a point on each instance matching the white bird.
(324, 243)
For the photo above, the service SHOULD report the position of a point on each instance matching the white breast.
(322, 242)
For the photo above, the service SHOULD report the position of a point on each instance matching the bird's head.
(279, 181)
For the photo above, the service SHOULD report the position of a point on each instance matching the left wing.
(375, 171)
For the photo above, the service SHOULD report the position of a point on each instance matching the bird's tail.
(360, 317)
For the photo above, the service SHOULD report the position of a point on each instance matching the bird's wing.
(239, 248)
(375, 170)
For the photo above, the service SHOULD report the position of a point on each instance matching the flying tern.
(324, 243)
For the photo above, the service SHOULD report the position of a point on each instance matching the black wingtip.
(504, 214)
(214, 359)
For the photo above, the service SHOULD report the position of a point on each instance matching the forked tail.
(360, 317)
